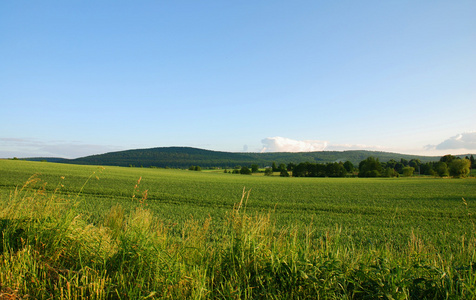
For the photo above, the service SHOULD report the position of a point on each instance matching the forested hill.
(183, 157)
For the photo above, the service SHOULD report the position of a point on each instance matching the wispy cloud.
(16, 147)
(343, 147)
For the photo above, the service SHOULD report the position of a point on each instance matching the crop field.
(326, 237)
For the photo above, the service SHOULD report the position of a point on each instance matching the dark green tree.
(391, 164)
(399, 167)
(448, 158)
(370, 167)
(268, 172)
(301, 170)
(335, 170)
(427, 169)
(442, 169)
(254, 168)
(349, 167)
(415, 163)
(245, 171)
(316, 170)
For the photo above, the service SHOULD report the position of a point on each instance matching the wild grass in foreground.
(51, 251)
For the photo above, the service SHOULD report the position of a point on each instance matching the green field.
(344, 237)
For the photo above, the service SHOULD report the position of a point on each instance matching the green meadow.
(71, 232)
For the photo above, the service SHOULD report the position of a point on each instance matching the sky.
(87, 77)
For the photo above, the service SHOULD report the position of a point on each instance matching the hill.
(183, 157)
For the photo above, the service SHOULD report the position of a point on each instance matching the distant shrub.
(408, 171)
(284, 173)
(390, 172)
(245, 171)
(268, 172)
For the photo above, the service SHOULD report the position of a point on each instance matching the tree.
(448, 158)
(335, 170)
(274, 167)
(268, 172)
(427, 169)
(390, 172)
(471, 159)
(415, 163)
(349, 167)
(459, 167)
(370, 167)
(442, 169)
(254, 168)
(300, 170)
(408, 171)
(399, 167)
(391, 163)
(245, 171)
(284, 173)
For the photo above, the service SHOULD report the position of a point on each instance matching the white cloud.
(465, 140)
(281, 144)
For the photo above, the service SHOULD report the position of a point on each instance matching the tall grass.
(51, 251)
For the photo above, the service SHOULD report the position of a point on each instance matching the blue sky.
(88, 77)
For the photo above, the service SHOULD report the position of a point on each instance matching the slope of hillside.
(183, 157)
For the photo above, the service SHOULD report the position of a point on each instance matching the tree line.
(448, 165)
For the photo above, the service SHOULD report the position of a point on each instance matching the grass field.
(175, 233)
